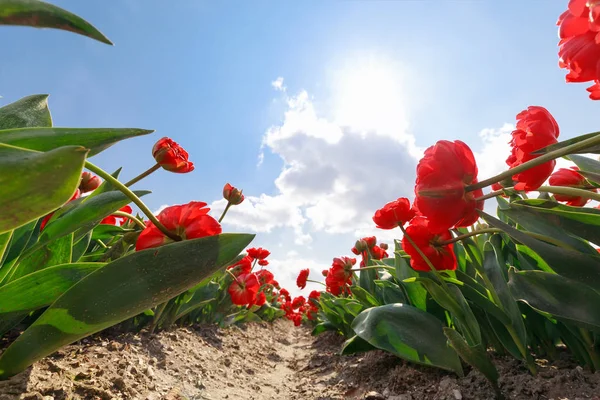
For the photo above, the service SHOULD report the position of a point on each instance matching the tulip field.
(464, 301)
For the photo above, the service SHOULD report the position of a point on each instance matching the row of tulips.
(461, 282)
(75, 260)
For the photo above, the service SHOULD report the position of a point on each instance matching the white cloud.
(160, 209)
(278, 84)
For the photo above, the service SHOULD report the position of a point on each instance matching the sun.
(370, 96)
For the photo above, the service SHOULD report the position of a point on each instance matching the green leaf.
(564, 298)
(120, 290)
(565, 143)
(27, 112)
(21, 238)
(104, 231)
(39, 14)
(202, 296)
(390, 293)
(366, 298)
(569, 263)
(81, 247)
(409, 333)
(475, 356)
(35, 184)
(5, 239)
(45, 139)
(416, 293)
(85, 215)
(492, 265)
(54, 253)
(323, 327)
(356, 345)
(555, 220)
(42, 288)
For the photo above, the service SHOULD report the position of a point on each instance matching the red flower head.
(233, 195)
(243, 290)
(339, 275)
(442, 257)
(297, 319)
(302, 277)
(113, 219)
(570, 178)
(244, 265)
(89, 182)
(536, 129)
(394, 213)
(314, 295)
(264, 277)
(579, 46)
(258, 253)
(76, 195)
(263, 263)
(189, 221)
(378, 253)
(442, 174)
(496, 186)
(298, 302)
(171, 156)
(324, 272)
(285, 294)
(260, 299)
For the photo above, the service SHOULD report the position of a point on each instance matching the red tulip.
(442, 257)
(113, 219)
(570, 178)
(189, 221)
(442, 175)
(536, 129)
(258, 253)
(394, 213)
(89, 182)
(171, 156)
(244, 266)
(244, 289)
(233, 195)
(579, 46)
(302, 277)
(265, 277)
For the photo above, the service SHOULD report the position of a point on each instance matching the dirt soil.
(268, 361)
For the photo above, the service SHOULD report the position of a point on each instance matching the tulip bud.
(384, 246)
(88, 182)
(360, 246)
(232, 194)
(171, 156)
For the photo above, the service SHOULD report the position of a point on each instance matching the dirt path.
(263, 362)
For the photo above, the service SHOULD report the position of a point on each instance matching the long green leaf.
(120, 290)
(27, 112)
(42, 288)
(474, 355)
(34, 184)
(409, 333)
(39, 14)
(569, 263)
(44, 139)
(564, 298)
(565, 143)
(54, 253)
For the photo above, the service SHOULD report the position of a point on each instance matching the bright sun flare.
(369, 96)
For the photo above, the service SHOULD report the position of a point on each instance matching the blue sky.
(201, 72)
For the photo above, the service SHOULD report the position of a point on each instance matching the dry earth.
(267, 361)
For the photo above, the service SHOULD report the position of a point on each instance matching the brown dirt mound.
(267, 361)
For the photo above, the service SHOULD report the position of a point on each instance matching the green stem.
(490, 195)
(468, 235)
(132, 196)
(225, 212)
(160, 309)
(590, 348)
(574, 148)
(320, 283)
(374, 267)
(522, 350)
(131, 217)
(570, 191)
(143, 175)
(101, 243)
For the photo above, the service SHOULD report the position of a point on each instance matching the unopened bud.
(384, 246)
(232, 194)
(88, 182)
